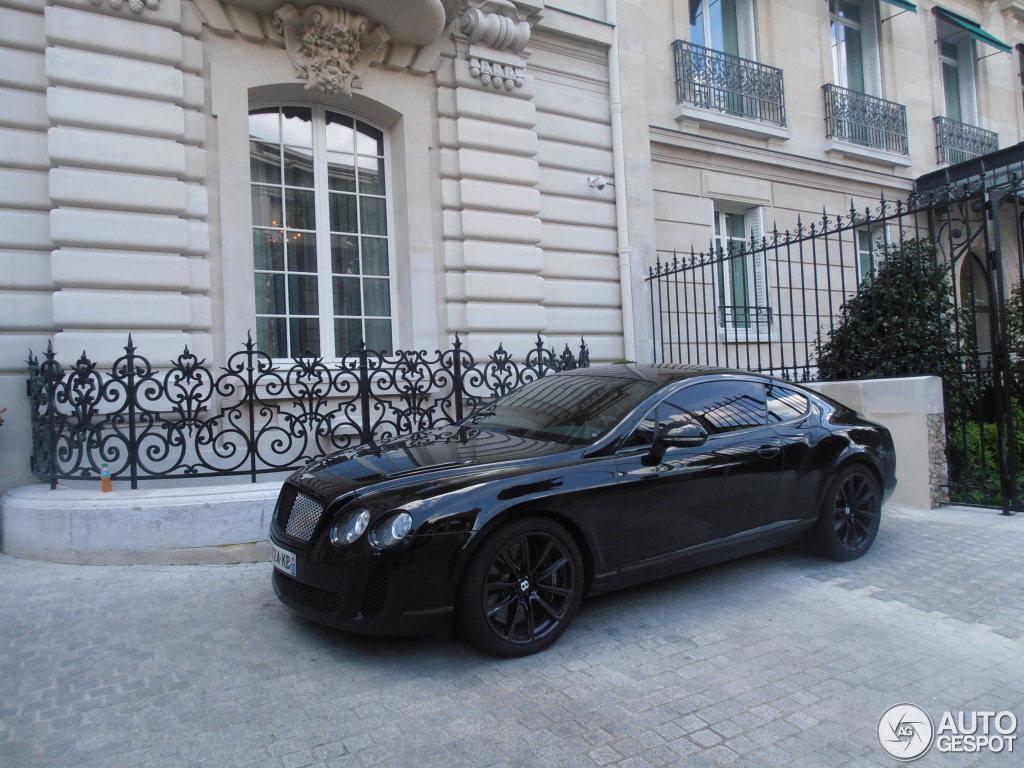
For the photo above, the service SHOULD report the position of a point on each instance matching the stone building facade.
(191, 171)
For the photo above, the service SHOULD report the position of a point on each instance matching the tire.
(522, 588)
(849, 517)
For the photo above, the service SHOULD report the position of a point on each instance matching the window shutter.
(745, 29)
(869, 35)
(753, 220)
(968, 102)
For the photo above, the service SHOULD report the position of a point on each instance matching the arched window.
(320, 232)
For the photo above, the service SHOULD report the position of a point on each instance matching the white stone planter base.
(213, 524)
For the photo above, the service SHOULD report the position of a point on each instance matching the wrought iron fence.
(956, 142)
(254, 416)
(867, 120)
(856, 271)
(722, 82)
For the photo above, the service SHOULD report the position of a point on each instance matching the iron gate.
(926, 285)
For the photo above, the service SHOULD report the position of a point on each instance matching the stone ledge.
(207, 525)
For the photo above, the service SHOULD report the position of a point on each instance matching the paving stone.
(779, 659)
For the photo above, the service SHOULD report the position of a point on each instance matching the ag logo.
(905, 731)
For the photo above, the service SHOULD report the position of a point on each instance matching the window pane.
(718, 406)
(347, 335)
(346, 296)
(374, 217)
(377, 296)
(378, 334)
(305, 336)
(297, 126)
(266, 207)
(371, 175)
(302, 252)
(340, 134)
(298, 167)
(270, 294)
(344, 255)
(341, 172)
(375, 256)
(265, 124)
(301, 213)
(343, 213)
(697, 22)
(951, 89)
(270, 336)
(302, 295)
(264, 162)
(369, 141)
(268, 249)
(785, 404)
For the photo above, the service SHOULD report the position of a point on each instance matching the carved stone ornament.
(495, 25)
(327, 45)
(495, 75)
(135, 6)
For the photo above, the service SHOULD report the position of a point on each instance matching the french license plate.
(282, 559)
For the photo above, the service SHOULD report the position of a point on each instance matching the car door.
(701, 495)
(797, 424)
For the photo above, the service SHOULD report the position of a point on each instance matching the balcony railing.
(725, 83)
(866, 120)
(957, 142)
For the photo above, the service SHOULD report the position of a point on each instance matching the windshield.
(576, 409)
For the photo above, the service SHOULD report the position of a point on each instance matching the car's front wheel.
(521, 589)
(849, 517)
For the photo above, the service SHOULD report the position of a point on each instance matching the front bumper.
(407, 591)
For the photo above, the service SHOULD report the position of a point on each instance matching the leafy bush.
(900, 323)
(975, 462)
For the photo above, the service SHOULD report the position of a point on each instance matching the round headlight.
(350, 528)
(392, 530)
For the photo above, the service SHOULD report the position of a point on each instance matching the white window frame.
(868, 240)
(868, 27)
(965, 63)
(756, 268)
(745, 29)
(323, 229)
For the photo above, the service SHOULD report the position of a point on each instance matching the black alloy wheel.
(849, 517)
(522, 588)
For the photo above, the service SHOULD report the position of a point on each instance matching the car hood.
(448, 453)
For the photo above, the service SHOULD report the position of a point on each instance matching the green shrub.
(900, 323)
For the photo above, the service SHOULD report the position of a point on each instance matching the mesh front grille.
(375, 594)
(302, 516)
(323, 600)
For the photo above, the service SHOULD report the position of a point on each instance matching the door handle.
(768, 451)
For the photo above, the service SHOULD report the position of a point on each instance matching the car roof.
(659, 373)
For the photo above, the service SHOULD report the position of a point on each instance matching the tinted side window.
(785, 404)
(718, 406)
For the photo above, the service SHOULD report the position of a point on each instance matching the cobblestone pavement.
(779, 659)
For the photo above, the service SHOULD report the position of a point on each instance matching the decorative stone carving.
(495, 75)
(329, 45)
(496, 24)
(497, 37)
(135, 6)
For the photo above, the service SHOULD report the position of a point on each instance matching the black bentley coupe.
(579, 483)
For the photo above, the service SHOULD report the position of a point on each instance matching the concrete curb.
(205, 525)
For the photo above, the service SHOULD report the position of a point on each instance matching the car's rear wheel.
(850, 514)
(522, 588)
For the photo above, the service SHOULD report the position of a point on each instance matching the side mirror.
(680, 436)
(685, 436)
